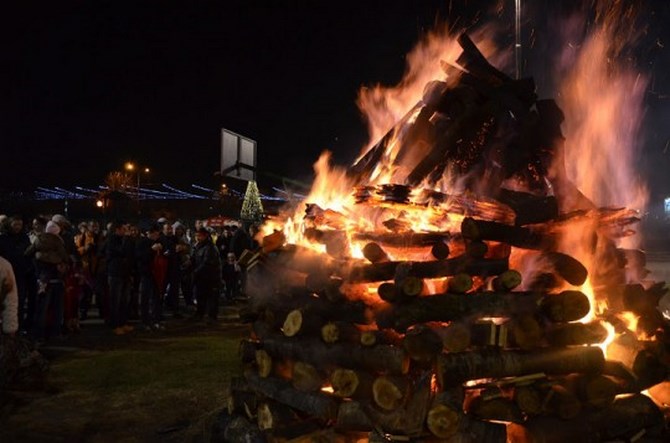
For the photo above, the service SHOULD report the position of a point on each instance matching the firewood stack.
(467, 331)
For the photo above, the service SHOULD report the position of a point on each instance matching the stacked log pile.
(458, 346)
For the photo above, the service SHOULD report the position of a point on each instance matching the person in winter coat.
(148, 249)
(206, 275)
(51, 263)
(9, 299)
(13, 246)
(120, 255)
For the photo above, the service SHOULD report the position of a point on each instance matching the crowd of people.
(54, 273)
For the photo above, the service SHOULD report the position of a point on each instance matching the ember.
(455, 283)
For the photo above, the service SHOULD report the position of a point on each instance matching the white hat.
(60, 219)
(162, 220)
(52, 227)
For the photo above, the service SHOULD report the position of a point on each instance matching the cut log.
(571, 334)
(528, 399)
(440, 250)
(422, 344)
(594, 390)
(333, 332)
(351, 383)
(498, 409)
(263, 363)
(563, 307)
(526, 332)
(306, 377)
(646, 365)
(446, 422)
(316, 404)
(407, 420)
(390, 392)
(634, 297)
(507, 281)
(567, 267)
(456, 368)
(626, 416)
(456, 337)
(529, 208)
(476, 249)
(380, 358)
(404, 239)
(374, 253)
(562, 403)
(379, 337)
(389, 292)
(460, 283)
(273, 415)
(430, 269)
(312, 308)
(300, 259)
(516, 236)
(297, 322)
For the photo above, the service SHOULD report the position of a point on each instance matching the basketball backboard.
(238, 156)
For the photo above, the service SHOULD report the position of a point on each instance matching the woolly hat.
(52, 228)
(178, 225)
(162, 220)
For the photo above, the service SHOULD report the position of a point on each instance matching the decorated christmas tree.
(252, 207)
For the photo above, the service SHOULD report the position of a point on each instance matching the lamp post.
(132, 167)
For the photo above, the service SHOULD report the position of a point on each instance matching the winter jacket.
(207, 264)
(9, 298)
(48, 248)
(120, 255)
(13, 247)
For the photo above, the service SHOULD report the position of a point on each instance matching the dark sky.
(89, 85)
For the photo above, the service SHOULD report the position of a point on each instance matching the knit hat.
(52, 228)
(178, 225)
(162, 220)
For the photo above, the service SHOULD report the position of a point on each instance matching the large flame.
(602, 97)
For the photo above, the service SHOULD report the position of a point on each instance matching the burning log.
(440, 250)
(529, 209)
(572, 334)
(507, 281)
(563, 307)
(624, 417)
(516, 236)
(301, 259)
(460, 283)
(379, 337)
(567, 267)
(316, 404)
(374, 253)
(380, 358)
(646, 365)
(456, 337)
(404, 239)
(634, 297)
(429, 269)
(476, 249)
(456, 368)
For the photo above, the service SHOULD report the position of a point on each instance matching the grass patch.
(130, 393)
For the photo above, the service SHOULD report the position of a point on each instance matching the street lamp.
(130, 167)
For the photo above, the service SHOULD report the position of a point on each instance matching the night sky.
(90, 85)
